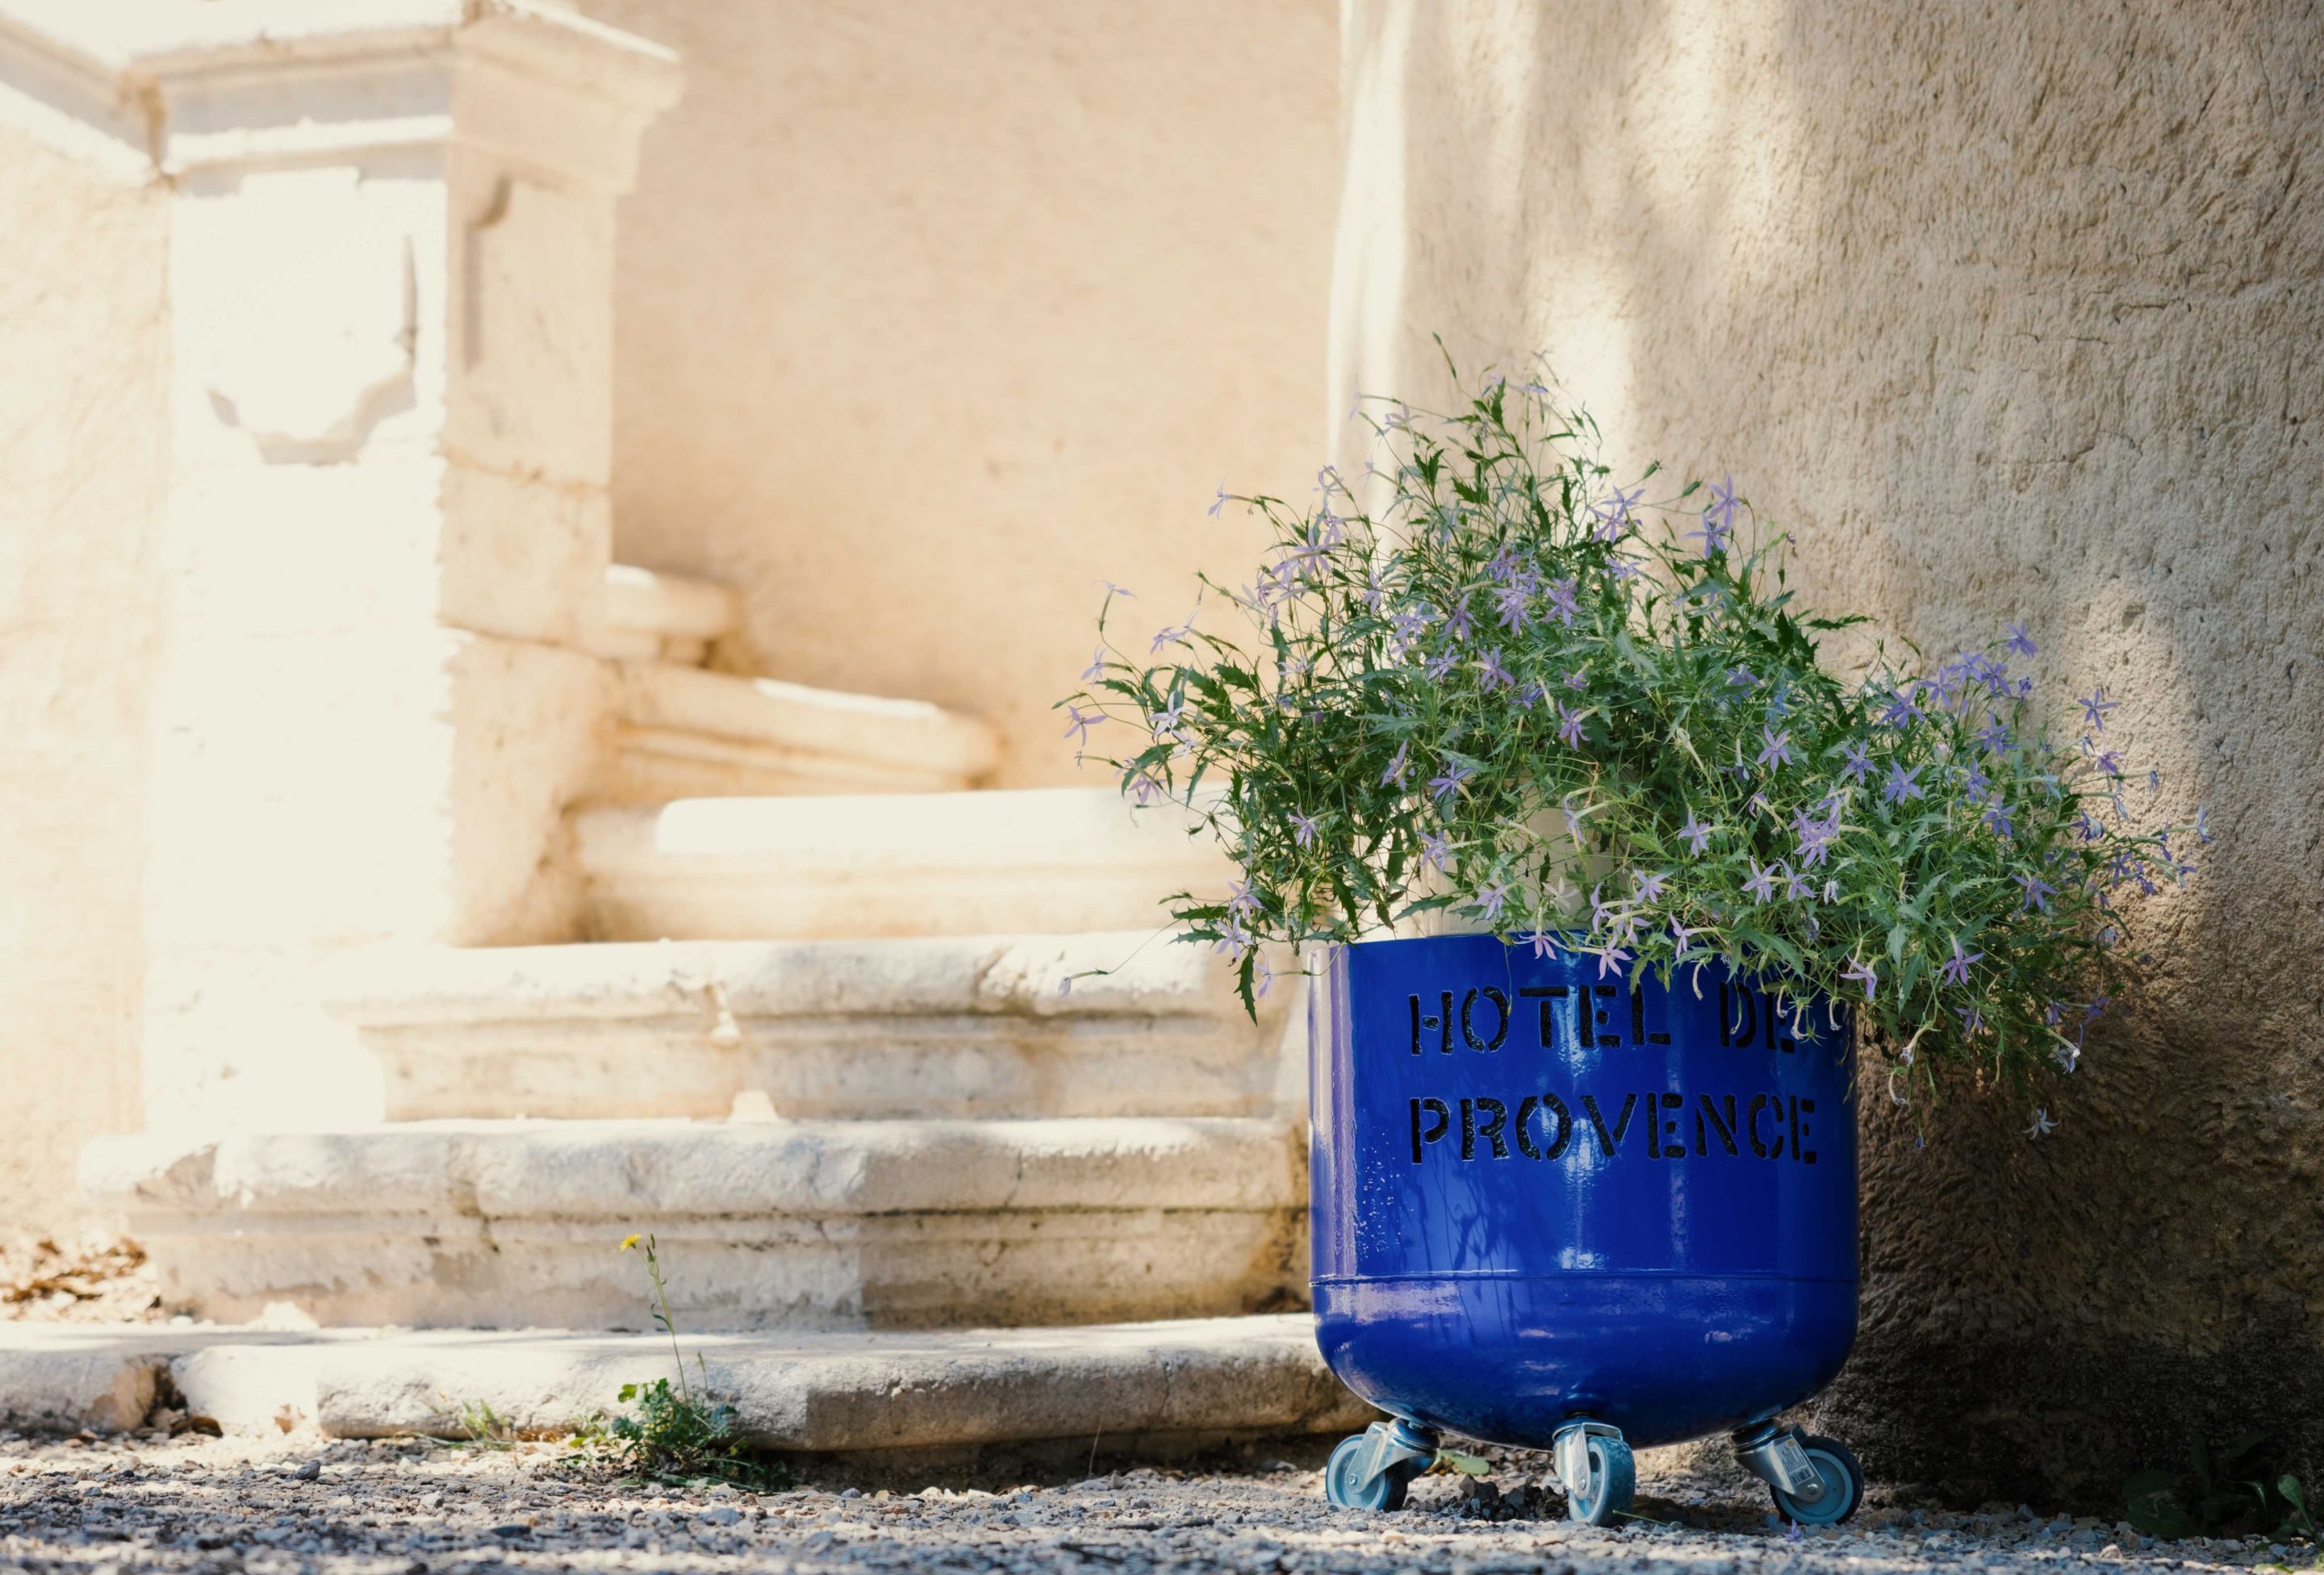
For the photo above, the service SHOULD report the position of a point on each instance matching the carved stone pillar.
(391, 296)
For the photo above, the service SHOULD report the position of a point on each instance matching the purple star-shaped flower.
(1647, 889)
(1443, 788)
(1561, 605)
(1079, 721)
(1302, 830)
(1719, 517)
(1778, 750)
(1511, 601)
(1436, 851)
(1739, 678)
(1900, 784)
(1599, 908)
(1954, 969)
(1762, 884)
(1096, 669)
(1491, 901)
(1855, 762)
(1458, 624)
(1610, 958)
(1696, 834)
(1997, 821)
(1439, 665)
(1492, 675)
(1398, 766)
(1578, 679)
(1992, 738)
(1569, 725)
(2020, 641)
(1815, 837)
(1544, 945)
(1221, 503)
(2038, 893)
(1614, 513)
(1859, 972)
(2096, 706)
(1904, 705)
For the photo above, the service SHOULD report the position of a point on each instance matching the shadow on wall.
(2004, 316)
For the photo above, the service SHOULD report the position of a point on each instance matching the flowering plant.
(1511, 692)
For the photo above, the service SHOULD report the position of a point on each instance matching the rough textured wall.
(84, 450)
(2009, 312)
(932, 317)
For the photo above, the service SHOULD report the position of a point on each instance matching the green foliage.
(2237, 1492)
(1488, 684)
(482, 1427)
(671, 1432)
(677, 1433)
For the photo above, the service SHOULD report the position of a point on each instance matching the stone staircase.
(915, 1060)
(489, 918)
(682, 731)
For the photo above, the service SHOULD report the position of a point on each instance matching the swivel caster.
(1595, 1467)
(1373, 1469)
(1813, 1480)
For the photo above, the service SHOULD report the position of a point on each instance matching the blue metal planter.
(1553, 1211)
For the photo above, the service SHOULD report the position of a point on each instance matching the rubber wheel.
(1843, 1484)
(1346, 1490)
(1613, 1479)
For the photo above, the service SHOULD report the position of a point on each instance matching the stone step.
(761, 1224)
(653, 616)
(1021, 861)
(923, 1028)
(836, 1393)
(684, 733)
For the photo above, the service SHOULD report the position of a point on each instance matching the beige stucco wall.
(931, 317)
(84, 451)
(2009, 312)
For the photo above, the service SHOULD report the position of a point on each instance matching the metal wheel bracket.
(1389, 1444)
(1570, 1450)
(1775, 1455)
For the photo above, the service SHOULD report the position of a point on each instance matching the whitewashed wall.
(2008, 313)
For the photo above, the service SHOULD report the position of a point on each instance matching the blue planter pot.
(1553, 1212)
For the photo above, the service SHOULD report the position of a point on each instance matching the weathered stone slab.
(1036, 860)
(682, 732)
(824, 1393)
(937, 1026)
(767, 1224)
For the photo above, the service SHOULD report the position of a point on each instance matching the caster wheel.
(1347, 1487)
(1843, 1485)
(1613, 1479)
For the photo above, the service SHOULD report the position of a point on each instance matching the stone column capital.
(242, 85)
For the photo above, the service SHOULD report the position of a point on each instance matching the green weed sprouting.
(1486, 681)
(2239, 1490)
(677, 1433)
(481, 1426)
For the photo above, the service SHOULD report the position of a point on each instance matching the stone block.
(928, 1028)
(1038, 861)
(879, 1224)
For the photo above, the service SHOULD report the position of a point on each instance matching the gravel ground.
(408, 1507)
